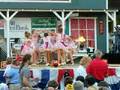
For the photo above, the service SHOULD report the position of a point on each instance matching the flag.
(44, 76)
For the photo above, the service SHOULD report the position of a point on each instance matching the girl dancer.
(71, 48)
(46, 46)
(35, 45)
(26, 46)
(27, 49)
(61, 46)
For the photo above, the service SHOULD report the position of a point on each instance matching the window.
(84, 28)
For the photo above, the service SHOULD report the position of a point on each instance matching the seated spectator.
(78, 85)
(68, 80)
(52, 84)
(90, 82)
(103, 88)
(103, 85)
(68, 83)
(98, 68)
(69, 87)
(80, 78)
(50, 88)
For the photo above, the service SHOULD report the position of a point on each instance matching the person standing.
(98, 68)
(13, 76)
(25, 73)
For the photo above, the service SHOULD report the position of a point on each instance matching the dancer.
(46, 46)
(35, 44)
(27, 37)
(61, 46)
(27, 48)
(71, 48)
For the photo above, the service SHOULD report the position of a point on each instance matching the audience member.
(53, 84)
(78, 85)
(103, 88)
(69, 87)
(98, 68)
(8, 66)
(84, 62)
(103, 85)
(68, 83)
(13, 76)
(25, 72)
(50, 88)
(80, 78)
(90, 82)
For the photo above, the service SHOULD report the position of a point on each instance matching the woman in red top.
(98, 68)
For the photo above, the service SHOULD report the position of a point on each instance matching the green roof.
(74, 4)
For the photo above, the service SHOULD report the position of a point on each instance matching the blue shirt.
(13, 75)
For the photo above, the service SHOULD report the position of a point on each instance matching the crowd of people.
(50, 43)
(90, 76)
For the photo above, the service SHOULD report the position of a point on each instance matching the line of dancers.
(51, 42)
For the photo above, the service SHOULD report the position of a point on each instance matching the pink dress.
(60, 42)
(34, 41)
(53, 42)
(27, 48)
(47, 43)
(71, 44)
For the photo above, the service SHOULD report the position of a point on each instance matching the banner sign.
(35, 1)
(46, 22)
(18, 26)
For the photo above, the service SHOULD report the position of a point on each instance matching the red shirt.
(97, 68)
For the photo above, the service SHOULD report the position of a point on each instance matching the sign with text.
(18, 26)
(46, 22)
(35, 0)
